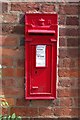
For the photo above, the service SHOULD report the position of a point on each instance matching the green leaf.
(9, 117)
(0, 116)
(5, 118)
(19, 118)
(13, 116)
(6, 103)
(3, 103)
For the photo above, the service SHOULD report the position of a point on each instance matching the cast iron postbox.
(41, 31)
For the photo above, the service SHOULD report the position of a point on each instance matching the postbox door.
(42, 76)
(40, 55)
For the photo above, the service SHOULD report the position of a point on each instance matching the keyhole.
(36, 71)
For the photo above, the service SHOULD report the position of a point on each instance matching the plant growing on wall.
(5, 104)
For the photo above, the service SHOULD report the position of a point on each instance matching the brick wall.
(67, 104)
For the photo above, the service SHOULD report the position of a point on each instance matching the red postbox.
(41, 31)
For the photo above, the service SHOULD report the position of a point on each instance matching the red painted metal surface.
(41, 31)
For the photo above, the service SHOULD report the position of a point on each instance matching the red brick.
(68, 63)
(46, 112)
(4, 7)
(18, 7)
(72, 42)
(77, 102)
(20, 62)
(63, 53)
(12, 28)
(78, 36)
(19, 72)
(1, 54)
(72, 32)
(9, 40)
(33, 6)
(56, 102)
(79, 61)
(1, 19)
(67, 92)
(7, 61)
(79, 8)
(7, 72)
(66, 112)
(70, 52)
(0, 110)
(9, 52)
(13, 91)
(18, 29)
(66, 102)
(4, 111)
(62, 41)
(62, 19)
(0, 82)
(1, 92)
(72, 21)
(1, 61)
(8, 82)
(0, 28)
(25, 7)
(78, 73)
(75, 112)
(68, 9)
(28, 111)
(73, 52)
(79, 52)
(41, 103)
(68, 31)
(9, 18)
(68, 73)
(48, 8)
(22, 102)
(67, 83)
(79, 112)
(18, 53)
(62, 31)
(78, 82)
(20, 82)
(10, 101)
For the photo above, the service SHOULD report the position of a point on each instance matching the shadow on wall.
(13, 65)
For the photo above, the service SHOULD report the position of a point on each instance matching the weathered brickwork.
(67, 104)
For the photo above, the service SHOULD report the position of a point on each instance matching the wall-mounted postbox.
(41, 33)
